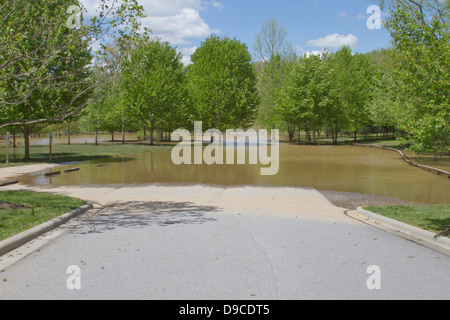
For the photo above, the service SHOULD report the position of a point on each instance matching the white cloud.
(180, 27)
(314, 53)
(186, 60)
(175, 21)
(178, 21)
(216, 4)
(188, 50)
(187, 53)
(301, 51)
(151, 7)
(91, 6)
(335, 41)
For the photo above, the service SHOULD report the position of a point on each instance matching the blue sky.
(305, 21)
(311, 24)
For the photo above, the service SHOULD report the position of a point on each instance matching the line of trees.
(328, 92)
(45, 66)
(47, 76)
(154, 91)
(404, 89)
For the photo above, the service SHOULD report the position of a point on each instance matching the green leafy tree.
(333, 116)
(58, 90)
(223, 84)
(420, 35)
(40, 53)
(108, 113)
(358, 113)
(154, 84)
(273, 77)
(389, 108)
(301, 103)
(352, 82)
(276, 61)
(45, 71)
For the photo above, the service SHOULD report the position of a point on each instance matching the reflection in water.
(348, 169)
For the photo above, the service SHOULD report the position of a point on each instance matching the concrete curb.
(408, 230)
(20, 239)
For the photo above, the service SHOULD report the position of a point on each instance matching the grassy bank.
(20, 210)
(77, 152)
(426, 159)
(434, 218)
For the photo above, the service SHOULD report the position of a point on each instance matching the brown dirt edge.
(5, 205)
(351, 200)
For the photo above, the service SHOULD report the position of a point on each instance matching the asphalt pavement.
(206, 242)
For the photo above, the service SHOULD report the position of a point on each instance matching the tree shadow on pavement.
(137, 214)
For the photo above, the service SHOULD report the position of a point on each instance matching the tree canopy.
(154, 84)
(420, 36)
(40, 56)
(222, 84)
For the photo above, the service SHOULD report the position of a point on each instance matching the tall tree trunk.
(314, 131)
(26, 136)
(291, 131)
(68, 134)
(336, 134)
(152, 130)
(308, 131)
(332, 133)
(96, 136)
(123, 131)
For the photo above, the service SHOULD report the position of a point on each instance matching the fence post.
(8, 138)
(50, 144)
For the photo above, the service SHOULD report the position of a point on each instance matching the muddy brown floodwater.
(341, 168)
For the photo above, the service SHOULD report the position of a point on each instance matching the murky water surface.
(348, 169)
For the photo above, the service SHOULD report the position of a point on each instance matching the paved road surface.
(200, 242)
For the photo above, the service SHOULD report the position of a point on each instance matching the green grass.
(77, 152)
(35, 209)
(379, 140)
(386, 142)
(434, 218)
